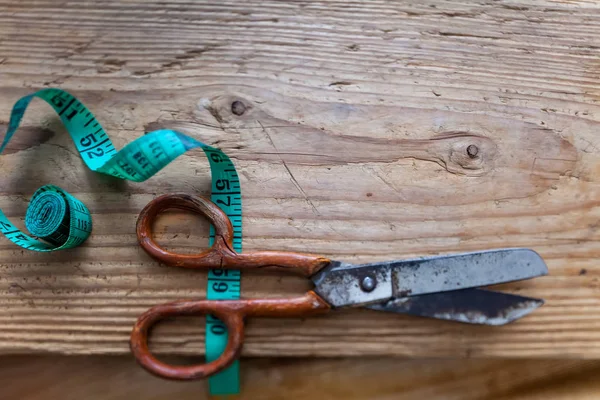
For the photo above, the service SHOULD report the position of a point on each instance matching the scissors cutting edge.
(443, 287)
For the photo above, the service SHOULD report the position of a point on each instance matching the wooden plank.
(353, 145)
(295, 379)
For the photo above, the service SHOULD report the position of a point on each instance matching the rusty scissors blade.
(443, 287)
(343, 284)
(473, 306)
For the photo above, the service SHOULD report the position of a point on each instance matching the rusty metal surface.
(474, 306)
(340, 283)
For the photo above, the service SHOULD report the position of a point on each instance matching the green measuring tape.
(53, 215)
(60, 221)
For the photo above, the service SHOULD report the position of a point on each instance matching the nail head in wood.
(472, 151)
(238, 108)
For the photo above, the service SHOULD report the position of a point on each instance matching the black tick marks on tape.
(238, 108)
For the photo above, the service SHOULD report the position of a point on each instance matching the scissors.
(442, 287)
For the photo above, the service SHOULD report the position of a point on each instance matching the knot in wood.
(467, 154)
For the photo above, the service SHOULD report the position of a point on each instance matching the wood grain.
(352, 145)
(118, 378)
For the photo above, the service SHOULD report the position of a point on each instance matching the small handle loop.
(210, 258)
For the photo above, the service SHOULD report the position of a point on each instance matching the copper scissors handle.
(221, 254)
(231, 312)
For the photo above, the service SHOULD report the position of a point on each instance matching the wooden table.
(353, 144)
(119, 378)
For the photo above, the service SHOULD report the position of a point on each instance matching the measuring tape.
(223, 284)
(53, 215)
(62, 221)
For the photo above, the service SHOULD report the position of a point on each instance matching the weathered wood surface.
(117, 378)
(353, 145)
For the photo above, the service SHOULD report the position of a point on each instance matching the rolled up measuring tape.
(60, 221)
(54, 216)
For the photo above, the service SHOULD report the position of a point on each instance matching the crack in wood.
(294, 181)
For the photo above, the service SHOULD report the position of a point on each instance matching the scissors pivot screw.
(368, 284)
